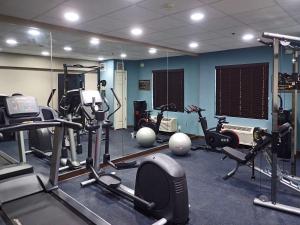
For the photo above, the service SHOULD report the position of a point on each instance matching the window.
(242, 90)
(168, 87)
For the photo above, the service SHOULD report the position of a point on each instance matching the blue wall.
(200, 83)
(191, 85)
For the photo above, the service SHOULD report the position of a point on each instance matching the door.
(120, 87)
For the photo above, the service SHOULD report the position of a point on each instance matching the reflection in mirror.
(25, 69)
(133, 80)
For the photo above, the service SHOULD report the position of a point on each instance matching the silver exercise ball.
(180, 144)
(145, 137)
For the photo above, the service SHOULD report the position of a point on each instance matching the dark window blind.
(168, 87)
(242, 90)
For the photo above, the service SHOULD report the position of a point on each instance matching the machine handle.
(118, 104)
(51, 96)
(37, 125)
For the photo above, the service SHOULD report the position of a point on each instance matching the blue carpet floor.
(121, 144)
(213, 201)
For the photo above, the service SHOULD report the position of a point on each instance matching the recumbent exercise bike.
(215, 137)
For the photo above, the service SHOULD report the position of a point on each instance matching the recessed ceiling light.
(45, 53)
(71, 16)
(11, 42)
(152, 50)
(94, 41)
(136, 31)
(193, 45)
(123, 55)
(197, 16)
(100, 58)
(67, 48)
(33, 32)
(248, 37)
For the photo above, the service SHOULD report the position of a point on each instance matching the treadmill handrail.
(40, 124)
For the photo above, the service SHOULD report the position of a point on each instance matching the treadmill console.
(19, 109)
(21, 106)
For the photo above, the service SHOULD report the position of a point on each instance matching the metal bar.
(278, 37)
(274, 118)
(295, 117)
(21, 146)
(56, 154)
(277, 206)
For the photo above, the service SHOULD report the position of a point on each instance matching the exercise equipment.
(160, 188)
(145, 137)
(215, 137)
(41, 140)
(284, 116)
(24, 194)
(139, 108)
(147, 121)
(180, 144)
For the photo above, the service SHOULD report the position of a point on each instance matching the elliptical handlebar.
(118, 104)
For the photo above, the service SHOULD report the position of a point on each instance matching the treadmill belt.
(41, 209)
(4, 162)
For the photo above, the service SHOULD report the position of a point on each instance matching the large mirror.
(143, 89)
(25, 69)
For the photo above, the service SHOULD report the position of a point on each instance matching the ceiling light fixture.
(45, 53)
(152, 51)
(197, 16)
(136, 31)
(67, 48)
(248, 37)
(100, 58)
(71, 16)
(123, 55)
(193, 45)
(94, 41)
(11, 42)
(33, 32)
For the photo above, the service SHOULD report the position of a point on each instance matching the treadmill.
(27, 198)
(7, 163)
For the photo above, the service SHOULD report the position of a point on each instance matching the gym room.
(98, 97)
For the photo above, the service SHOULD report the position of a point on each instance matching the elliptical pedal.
(110, 180)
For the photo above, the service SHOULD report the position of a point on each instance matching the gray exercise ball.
(145, 137)
(180, 144)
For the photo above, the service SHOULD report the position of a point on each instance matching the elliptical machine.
(40, 140)
(215, 137)
(147, 121)
(160, 188)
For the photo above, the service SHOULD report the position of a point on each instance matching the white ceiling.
(165, 22)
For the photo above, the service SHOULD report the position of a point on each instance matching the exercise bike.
(147, 121)
(161, 187)
(216, 138)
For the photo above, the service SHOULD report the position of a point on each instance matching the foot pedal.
(110, 180)
(127, 165)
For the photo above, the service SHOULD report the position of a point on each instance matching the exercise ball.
(180, 144)
(145, 137)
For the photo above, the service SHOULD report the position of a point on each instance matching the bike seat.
(220, 117)
(236, 155)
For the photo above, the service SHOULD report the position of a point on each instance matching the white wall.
(36, 83)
